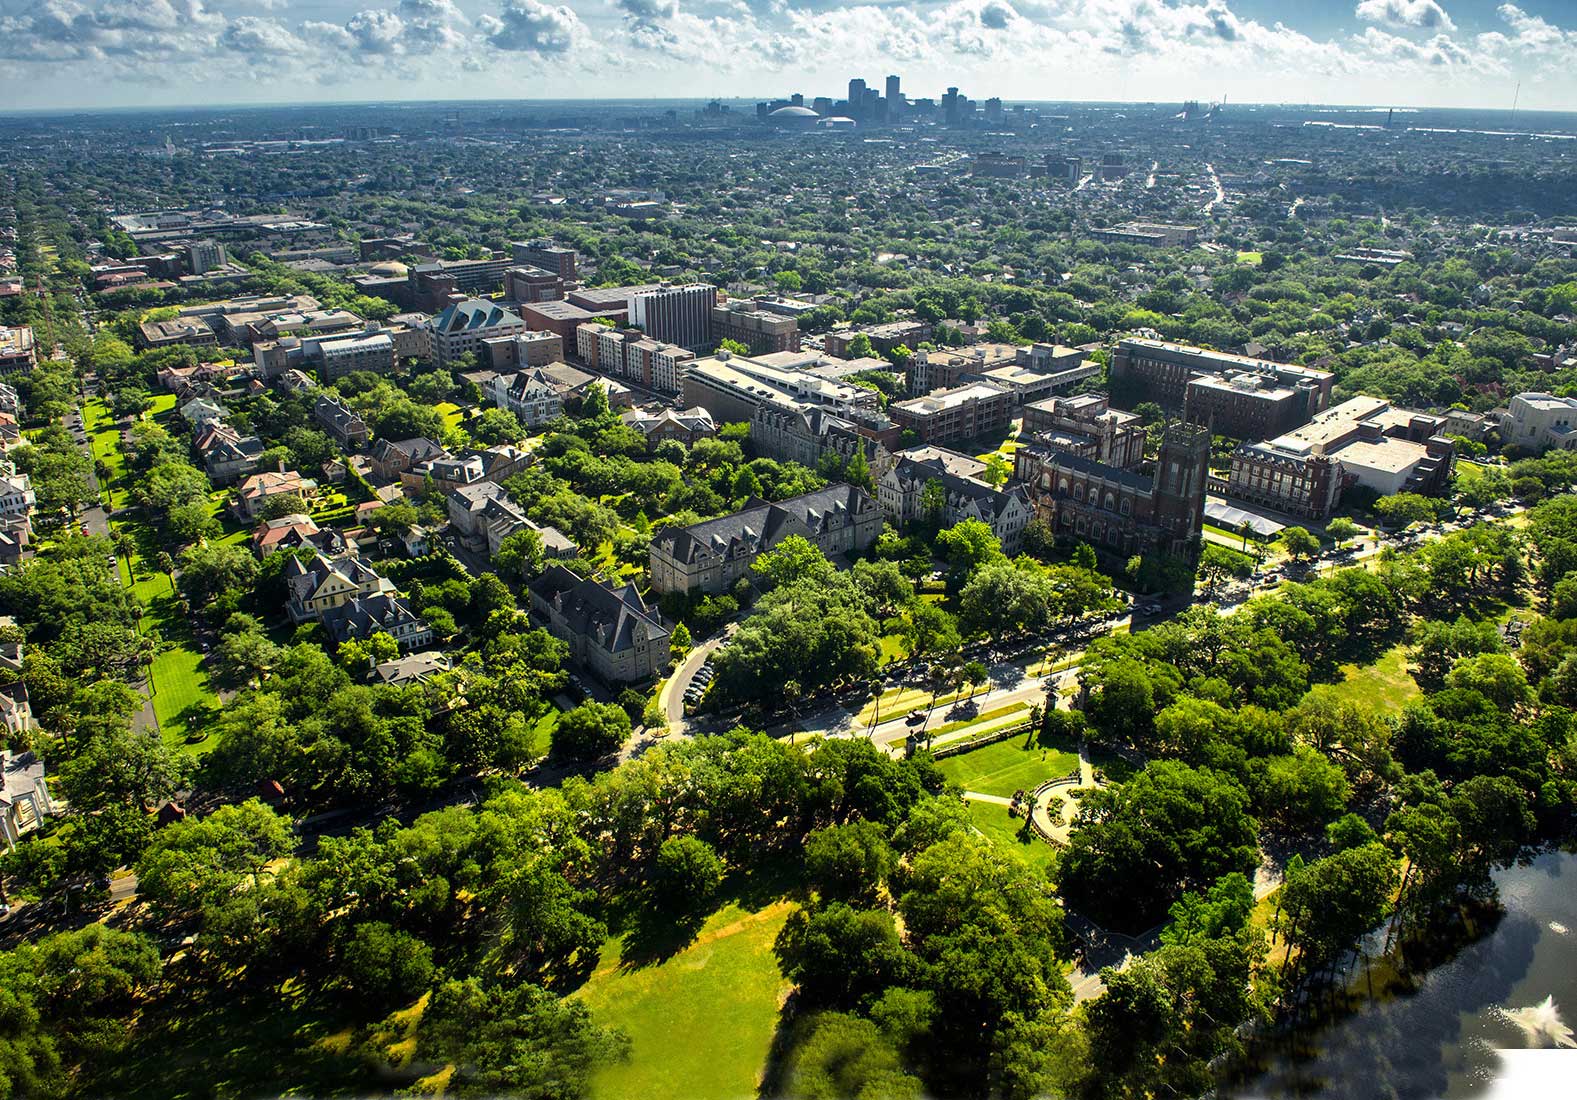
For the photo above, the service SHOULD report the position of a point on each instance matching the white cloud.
(533, 27)
(1423, 14)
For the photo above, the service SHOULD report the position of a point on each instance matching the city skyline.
(1445, 53)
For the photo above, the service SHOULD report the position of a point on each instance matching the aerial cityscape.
(867, 577)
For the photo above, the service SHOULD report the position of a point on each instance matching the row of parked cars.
(698, 684)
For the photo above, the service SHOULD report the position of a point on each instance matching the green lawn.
(163, 405)
(1018, 764)
(1010, 834)
(452, 413)
(1252, 258)
(701, 1021)
(1385, 684)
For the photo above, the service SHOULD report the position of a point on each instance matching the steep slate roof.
(473, 313)
(761, 525)
(607, 616)
(366, 615)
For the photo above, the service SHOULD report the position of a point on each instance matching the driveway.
(671, 697)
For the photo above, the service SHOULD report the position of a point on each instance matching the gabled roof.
(761, 525)
(607, 616)
(362, 616)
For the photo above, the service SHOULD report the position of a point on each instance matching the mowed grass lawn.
(1009, 834)
(1385, 684)
(701, 1021)
(1017, 764)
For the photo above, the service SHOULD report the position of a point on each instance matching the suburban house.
(384, 613)
(16, 491)
(325, 584)
(391, 459)
(25, 801)
(610, 631)
(199, 411)
(295, 531)
(412, 668)
(450, 472)
(254, 492)
(712, 555)
(227, 454)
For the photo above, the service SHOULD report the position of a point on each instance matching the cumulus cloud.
(1423, 14)
(530, 26)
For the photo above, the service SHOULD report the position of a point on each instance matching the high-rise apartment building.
(676, 314)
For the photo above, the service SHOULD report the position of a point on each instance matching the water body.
(1439, 1042)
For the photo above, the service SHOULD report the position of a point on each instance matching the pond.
(1508, 989)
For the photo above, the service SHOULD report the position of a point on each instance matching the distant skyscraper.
(894, 98)
(856, 97)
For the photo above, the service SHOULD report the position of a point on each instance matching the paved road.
(671, 697)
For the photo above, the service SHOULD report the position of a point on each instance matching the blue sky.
(71, 53)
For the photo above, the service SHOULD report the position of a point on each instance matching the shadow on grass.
(230, 1044)
(652, 935)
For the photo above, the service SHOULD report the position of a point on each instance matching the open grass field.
(1018, 764)
(163, 405)
(1385, 683)
(452, 413)
(701, 1020)
(1009, 834)
(1253, 259)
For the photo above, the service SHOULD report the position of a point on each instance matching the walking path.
(994, 799)
(1054, 803)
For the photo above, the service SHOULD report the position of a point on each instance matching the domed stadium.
(793, 118)
(389, 269)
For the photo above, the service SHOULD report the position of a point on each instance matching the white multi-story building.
(1539, 422)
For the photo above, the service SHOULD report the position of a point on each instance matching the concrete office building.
(967, 412)
(463, 326)
(1154, 234)
(761, 331)
(1362, 442)
(354, 353)
(1233, 395)
(732, 387)
(532, 284)
(676, 315)
(547, 256)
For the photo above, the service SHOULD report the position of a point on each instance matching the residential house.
(449, 472)
(531, 395)
(390, 459)
(712, 555)
(258, 489)
(413, 668)
(363, 616)
(200, 411)
(25, 800)
(16, 491)
(323, 584)
(16, 537)
(610, 631)
(227, 454)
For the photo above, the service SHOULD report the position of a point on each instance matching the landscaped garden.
(1018, 764)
